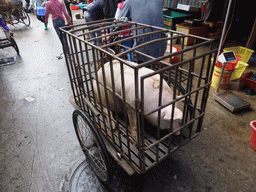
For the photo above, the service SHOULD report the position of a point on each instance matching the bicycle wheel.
(15, 46)
(25, 18)
(92, 146)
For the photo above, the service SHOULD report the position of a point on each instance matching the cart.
(190, 80)
(6, 40)
(15, 13)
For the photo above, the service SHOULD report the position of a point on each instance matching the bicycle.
(15, 15)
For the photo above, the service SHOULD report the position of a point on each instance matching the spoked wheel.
(25, 18)
(92, 146)
(15, 46)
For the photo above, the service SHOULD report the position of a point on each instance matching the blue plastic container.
(40, 11)
(81, 6)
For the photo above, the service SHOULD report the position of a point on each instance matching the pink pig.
(151, 96)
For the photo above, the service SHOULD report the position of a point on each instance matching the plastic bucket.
(239, 70)
(175, 59)
(225, 78)
(253, 135)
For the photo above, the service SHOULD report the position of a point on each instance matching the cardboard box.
(214, 35)
(198, 31)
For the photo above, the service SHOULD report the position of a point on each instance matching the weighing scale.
(229, 100)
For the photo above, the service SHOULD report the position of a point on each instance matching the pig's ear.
(167, 115)
(177, 114)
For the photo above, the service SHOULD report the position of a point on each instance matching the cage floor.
(129, 150)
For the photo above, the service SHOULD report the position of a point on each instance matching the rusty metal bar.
(82, 63)
(171, 133)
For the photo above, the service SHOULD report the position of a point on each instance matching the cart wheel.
(92, 146)
(15, 46)
(25, 18)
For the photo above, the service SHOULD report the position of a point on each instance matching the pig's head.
(166, 116)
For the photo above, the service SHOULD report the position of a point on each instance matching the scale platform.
(231, 101)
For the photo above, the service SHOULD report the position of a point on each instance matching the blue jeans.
(57, 23)
(88, 18)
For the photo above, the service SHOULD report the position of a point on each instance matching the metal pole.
(221, 42)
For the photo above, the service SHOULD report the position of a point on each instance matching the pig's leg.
(110, 118)
(132, 120)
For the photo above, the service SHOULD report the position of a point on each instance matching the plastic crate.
(171, 18)
(248, 82)
(40, 11)
(238, 70)
(244, 52)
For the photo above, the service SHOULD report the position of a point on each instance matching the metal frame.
(193, 73)
(8, 41)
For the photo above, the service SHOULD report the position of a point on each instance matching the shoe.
(45, 26)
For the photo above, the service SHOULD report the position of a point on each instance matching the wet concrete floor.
(39, 150)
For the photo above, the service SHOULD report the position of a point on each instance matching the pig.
(151, 96)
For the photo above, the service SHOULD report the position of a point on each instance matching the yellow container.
(245, 53)
(225, 78)
(239, 70)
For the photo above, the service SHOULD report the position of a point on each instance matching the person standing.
(38, 3)
(57, 9)
(94, 12)
(67, 4)
(110, 7)
(148, 12)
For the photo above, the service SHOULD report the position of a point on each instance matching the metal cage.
(189, 78)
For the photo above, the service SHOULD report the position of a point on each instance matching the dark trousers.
(57, 23)
(41, 18)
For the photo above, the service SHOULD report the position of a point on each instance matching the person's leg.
(88, 18)
(40, 18)
(43, 20)
(99, 42)
(57, 23)
(27, 5)
(2, 24)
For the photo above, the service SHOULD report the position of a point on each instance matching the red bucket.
(230, 65)
(253, 135)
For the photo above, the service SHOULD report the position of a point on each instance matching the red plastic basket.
(248, 82)
(253, 135)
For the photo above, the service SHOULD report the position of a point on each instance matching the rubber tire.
(86, 124)
(25, 15)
